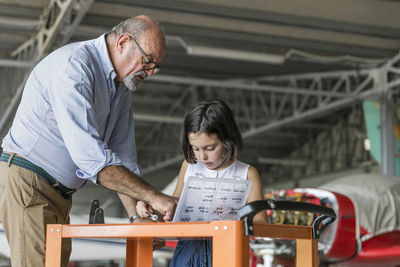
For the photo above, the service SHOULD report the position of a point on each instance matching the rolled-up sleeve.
(72, 102)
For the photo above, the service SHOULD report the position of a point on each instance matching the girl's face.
(208, 149)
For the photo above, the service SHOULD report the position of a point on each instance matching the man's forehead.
(153, 46)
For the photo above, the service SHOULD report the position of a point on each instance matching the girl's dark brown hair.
(212, 117)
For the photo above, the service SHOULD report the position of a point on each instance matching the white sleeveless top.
(237, 170)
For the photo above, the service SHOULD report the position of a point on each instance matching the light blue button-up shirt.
(72, 120)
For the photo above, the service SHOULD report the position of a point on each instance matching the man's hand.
(165, 205)
(143, 220)
(120, 179)
(144, 209)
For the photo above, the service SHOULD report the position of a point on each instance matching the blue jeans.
(192, 253)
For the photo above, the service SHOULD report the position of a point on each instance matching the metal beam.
(387, 113)
(366, 89)
(19, 23)
(245, 25)
(59, 18)
(158, 118)
(163, 164)
(241, 86)
(310, 114)
(275, 161)
(15, 63)
(276, 125)
(319, 75)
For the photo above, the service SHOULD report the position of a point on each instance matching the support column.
(230, 246)
(386, 125)
(139, 252)
(53, 245)
(307, 252)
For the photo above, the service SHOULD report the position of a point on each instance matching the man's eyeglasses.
(149, 65)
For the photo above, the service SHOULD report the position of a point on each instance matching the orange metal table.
(230, 244)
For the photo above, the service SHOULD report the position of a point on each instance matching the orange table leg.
(53, 245)
(230, 247)
(307, 252)
(139, 252)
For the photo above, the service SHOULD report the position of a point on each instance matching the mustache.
(142, 74)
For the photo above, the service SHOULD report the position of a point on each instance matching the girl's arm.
(180, 182)
(256, 193)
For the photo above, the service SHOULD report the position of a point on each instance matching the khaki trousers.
(27, 204)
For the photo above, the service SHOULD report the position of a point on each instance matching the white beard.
(131, 83)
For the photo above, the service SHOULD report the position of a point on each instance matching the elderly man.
(74, 124)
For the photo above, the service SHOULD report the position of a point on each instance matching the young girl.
(211, 143)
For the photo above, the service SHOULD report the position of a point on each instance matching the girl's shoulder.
(253, 174)
(251, 171)
(191, 169)
(237, 170)
(241, 164)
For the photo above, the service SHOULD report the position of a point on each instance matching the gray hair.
(134, 26)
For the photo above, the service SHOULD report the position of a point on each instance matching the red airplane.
(367, 229)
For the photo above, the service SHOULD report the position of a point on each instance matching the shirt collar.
(101, 47)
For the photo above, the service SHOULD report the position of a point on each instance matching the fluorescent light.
(286, 162)
(206, 51)
(234, 54)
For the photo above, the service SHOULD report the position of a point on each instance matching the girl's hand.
(143, 209)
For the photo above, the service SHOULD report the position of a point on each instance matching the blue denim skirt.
(192, 253)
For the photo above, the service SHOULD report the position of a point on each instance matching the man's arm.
(129, 204)
(120, 179)
(130, 207)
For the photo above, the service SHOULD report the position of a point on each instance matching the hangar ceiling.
(289, 69)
